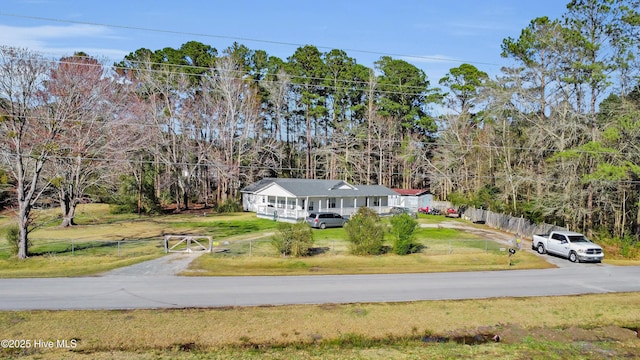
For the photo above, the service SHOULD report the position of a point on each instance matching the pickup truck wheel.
(573, 257)
(541, 249)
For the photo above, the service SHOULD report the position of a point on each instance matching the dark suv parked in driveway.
(323, 220)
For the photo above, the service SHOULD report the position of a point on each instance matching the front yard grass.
(347, 264)
(600, 326)
(102, 241)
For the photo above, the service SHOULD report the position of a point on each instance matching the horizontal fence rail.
(134, 247)
(263, 247)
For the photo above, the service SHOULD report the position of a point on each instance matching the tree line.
(554, 137)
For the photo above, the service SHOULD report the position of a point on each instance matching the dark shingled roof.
(328, 188)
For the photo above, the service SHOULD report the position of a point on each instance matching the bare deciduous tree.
(87, 99)
(236, 123)
(29, 131)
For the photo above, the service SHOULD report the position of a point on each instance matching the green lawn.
(572, 327)
(103, 241)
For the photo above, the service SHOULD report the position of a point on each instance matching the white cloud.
(61, 40)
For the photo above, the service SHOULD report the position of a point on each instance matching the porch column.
(295, 209)
(286, 206)
(275, 209)
(341, 202)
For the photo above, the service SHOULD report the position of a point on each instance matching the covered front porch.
(292, 209)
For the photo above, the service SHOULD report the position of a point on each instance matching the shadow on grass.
(72, 248)
(319, 250)
(69, 247)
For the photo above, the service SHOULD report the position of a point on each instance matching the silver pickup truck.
(571, 245)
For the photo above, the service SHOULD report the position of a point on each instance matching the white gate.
(187, 243)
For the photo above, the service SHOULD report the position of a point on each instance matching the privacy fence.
(516, 225)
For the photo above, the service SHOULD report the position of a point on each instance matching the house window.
(376, 201)
(332, 203)
(310, 206)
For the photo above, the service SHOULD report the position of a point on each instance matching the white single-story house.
(415, 199)
(293, 199)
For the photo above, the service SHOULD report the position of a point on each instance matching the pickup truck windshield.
(578, 239)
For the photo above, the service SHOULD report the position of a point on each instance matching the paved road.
(166, 291)
(153, 284)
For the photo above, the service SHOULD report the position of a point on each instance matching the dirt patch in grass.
(515, 333)
(511, 341)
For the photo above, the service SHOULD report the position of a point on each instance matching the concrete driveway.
(168, 265)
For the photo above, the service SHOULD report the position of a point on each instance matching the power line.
(128, 27)
(325, 140)
(381, 141)
(431, 175)
(318, 153)
(205, 35)
(243, 75)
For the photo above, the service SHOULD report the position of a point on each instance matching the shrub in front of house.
(293, 239)
(365, 232)
(402, 228)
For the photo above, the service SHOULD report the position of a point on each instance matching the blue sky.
(434, 35)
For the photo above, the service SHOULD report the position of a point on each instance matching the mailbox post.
(512, 252)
